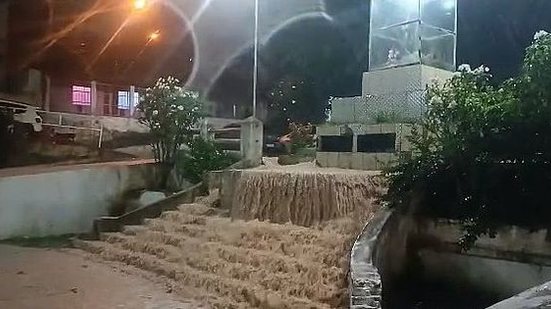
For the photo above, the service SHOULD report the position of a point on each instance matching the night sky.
(331, 56)
(490, 32)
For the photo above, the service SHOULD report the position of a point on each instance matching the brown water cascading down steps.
(305, 197)
(245, 264)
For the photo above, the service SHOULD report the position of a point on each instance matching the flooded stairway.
(238, 264)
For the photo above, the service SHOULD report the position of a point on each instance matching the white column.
(252, 140)
(94, 98)
(131, 100)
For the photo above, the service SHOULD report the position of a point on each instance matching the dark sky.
(496, 32)
(490, 32)
(129, 58)
(332, 56)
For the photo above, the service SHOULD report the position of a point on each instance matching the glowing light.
(448, 5)
(154, 35)
(140, 4)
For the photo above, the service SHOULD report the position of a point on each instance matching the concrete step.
(133, 229)
(239, 291)
(235, 263)
(183, 218)
(264, 231)
(316, 255)
(211, 200)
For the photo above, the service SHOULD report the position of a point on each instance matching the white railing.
(72, 122)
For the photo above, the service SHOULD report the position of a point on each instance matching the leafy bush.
(171, 113)
(482, 154)
(202, 156)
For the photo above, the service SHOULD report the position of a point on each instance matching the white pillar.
(132, 101)
(252, 139)
(94, 98)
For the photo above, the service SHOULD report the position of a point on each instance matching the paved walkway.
(66, 279)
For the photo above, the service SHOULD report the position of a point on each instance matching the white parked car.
(23, 113)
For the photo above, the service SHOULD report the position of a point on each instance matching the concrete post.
(204, 131)
(252, 139)
(94, 98)
(132, 101)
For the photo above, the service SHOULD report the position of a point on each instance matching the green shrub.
(202, 156)
(482, 154)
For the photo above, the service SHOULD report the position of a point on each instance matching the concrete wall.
(365, 279)
(409, 248)
(395, 80)
(515, 260)
(359, 160)
(427, 249)
(61, 98)
(53, 203)
(4, 12)
(399, 92)
(537, 297)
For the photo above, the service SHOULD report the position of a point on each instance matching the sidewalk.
(66, 279)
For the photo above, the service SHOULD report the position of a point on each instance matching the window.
(336, 143)
(82, 95)
(377, 143)
(124, 99)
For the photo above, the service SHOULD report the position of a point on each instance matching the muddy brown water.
(299, 262)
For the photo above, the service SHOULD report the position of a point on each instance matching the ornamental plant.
(171, 113)
(482, 153)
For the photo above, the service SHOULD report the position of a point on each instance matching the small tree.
(171, 113)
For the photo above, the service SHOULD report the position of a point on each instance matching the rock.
(150, 197)
(74, 290)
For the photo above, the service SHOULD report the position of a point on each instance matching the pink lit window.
(82, 95)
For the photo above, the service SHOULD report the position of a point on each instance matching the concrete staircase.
(235, 264)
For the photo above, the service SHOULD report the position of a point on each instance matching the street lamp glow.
(154, 35)
(140, 4)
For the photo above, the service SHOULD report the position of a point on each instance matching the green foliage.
(482, 154)
(171, 113)
(202, 156)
